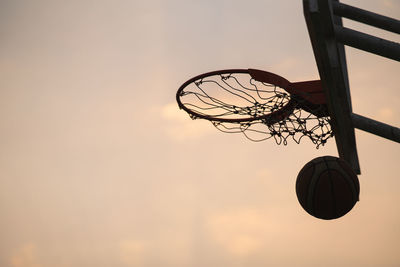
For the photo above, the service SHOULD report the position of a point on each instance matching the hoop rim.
(270, 118)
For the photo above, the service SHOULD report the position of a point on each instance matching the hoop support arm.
(369, 43)
(367, 17)
(376, 127)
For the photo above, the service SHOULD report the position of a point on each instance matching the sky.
(99, 167)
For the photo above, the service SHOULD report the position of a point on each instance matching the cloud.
(264, 173)
(172, 112)
(181, 126)
(166, 249)
(286, 64)
(132, 252)
(249, 234)
(240, 232)
(386, 113)
(26, 256)
(388, 3)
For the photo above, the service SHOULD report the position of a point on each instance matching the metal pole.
(368, 43)
(367, 17)
(376, 127)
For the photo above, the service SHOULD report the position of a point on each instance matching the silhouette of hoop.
(239, 100)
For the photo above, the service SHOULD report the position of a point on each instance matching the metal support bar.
(367, 17)
(331, 61)
(376, 127)
(368, 43)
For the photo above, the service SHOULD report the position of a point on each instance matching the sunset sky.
(99, 167)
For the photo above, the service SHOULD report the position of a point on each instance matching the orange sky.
(99, 167)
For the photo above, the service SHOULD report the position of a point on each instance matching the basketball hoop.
(259, 104)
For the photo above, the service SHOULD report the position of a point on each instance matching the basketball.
(327, 188)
